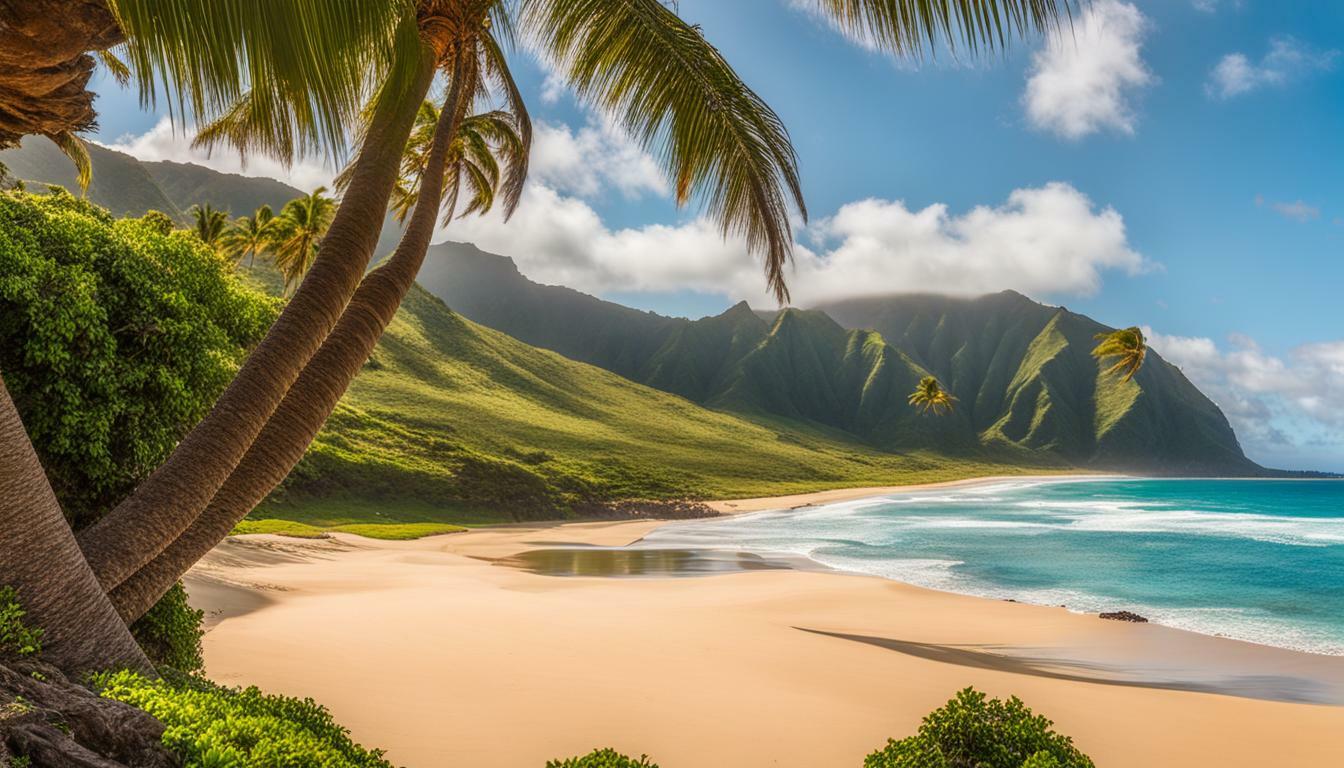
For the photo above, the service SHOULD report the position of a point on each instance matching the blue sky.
(1171, 164)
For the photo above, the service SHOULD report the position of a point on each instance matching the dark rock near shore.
(641, 509)
(1124, 616)
(56, 723)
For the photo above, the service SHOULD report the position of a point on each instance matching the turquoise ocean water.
(1256, 560)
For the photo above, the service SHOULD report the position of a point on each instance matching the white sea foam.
(897, 537)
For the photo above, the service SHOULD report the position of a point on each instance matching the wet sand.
(432, 650)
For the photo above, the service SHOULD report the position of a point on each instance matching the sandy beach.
(432, 651)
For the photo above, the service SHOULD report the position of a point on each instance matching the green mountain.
(1022, 371)
(451, 421)
(121, 184)
(490, 290)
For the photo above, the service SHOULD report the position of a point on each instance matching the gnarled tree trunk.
(45, 67)
(311, 400)
(40, 559)
(171, 498)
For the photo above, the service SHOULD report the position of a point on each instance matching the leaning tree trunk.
(171, 498)
(40, 559)
(311, 400)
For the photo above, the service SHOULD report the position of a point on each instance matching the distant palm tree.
(930, 396)
(249, 236)
(472, 164)
(1127, 347)
(208, 223)
(297, 233)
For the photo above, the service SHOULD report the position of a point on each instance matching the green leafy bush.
(603, 758)
(210, 726)
(972, 732)
(116, 337)
(16, 638)
(170, 633)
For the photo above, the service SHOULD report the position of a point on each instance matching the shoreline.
(494, 666)
(820, 498)
(790, 503)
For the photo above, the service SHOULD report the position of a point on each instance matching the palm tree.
(929, 395)
(296, 234)
(249, 237)
(208, 224)
(1127, 347)
(472, 164)
(632, 58)
(38, 549)
(201, 55)
(434, 176)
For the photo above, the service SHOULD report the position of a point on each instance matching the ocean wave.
(1084, 547)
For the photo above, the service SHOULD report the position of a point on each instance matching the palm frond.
(496, 71)
(913, 27)
(316, 59)
(73, 147)
(678, 97)
(114, 66)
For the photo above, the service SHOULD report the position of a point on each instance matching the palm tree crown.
(483, 144)
(297, 232)
(249, 237)
(208, 223)
(1127, 347)
(929, 395)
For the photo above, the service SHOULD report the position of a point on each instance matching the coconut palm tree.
(208, 224)
(929, 395)
(296, 234)
(309, 64)
(1127, 347)
(472, 164)
(249, 237)
(436, 175)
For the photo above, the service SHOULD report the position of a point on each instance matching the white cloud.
(1273, 402)
(1287, 60)
(162, 142)
(598, 155)
(1042, 241)
(1212, 6)
(1083, 82)
(554, 87)
(1297, 211)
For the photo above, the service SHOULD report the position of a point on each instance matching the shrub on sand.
(972, 732)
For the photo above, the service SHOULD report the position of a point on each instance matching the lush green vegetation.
(451, 422)
(115, 338)
(971, 731)
(603, 758)
(1027, 387)
(210, 726)
(17, 639)
(170, 633)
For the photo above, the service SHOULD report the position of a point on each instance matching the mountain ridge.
(1022, 371)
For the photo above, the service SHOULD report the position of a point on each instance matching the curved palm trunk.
(311, 400)
(39, 558)
(177, 492)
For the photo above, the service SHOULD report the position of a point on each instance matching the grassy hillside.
(452, 422)
(120, 183)
(1027, 386)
